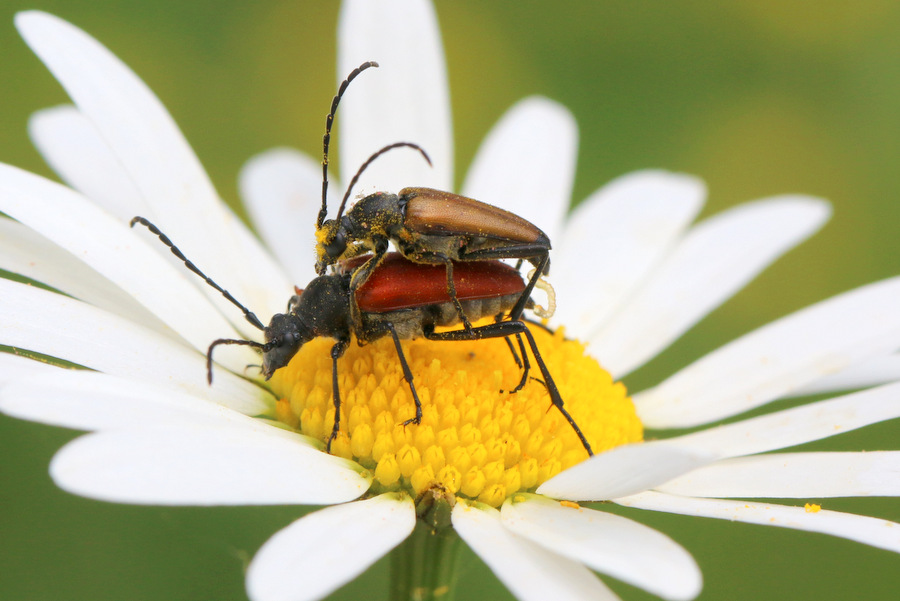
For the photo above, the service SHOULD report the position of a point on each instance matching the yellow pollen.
(812, 508)
(475, 441)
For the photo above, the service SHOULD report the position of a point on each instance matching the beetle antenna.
(250, 317)
(329, 120)
(369, 161)
(209, 361)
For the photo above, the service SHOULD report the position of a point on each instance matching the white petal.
(58, 326)
(324, 550)
(715, 260)
(529, 571)
(282, 191)
(794, 475)
(871, 372)
(778, 358)
(25, 252)
(89, 400)
(147, 143)
(624, 470)
(526, 164)
(867, 530)
(607, 543)
(113, 250)
(405, 99)
(16, 366)
(799, 425)
(625, 228)
(73, 148)
(196, 464)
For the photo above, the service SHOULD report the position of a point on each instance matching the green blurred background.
(758, 97)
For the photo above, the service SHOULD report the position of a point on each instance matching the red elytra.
(398, 283)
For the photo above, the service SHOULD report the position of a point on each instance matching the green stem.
(423, 567)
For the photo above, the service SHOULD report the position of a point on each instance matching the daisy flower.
(497, 472)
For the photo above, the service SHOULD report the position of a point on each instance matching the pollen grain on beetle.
(475, 440)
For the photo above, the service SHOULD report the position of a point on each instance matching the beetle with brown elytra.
(427, 226)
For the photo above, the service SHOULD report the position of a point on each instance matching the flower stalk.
(424, 566)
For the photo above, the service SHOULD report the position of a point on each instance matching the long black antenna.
(209, 361)
(369, 161)
(253, 319)
(329, 120)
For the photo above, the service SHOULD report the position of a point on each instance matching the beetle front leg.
(362, 273)
(337, 351)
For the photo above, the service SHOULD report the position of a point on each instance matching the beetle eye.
(288, 339)
(337, 246)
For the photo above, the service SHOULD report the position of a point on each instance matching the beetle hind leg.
(511, 328)
(536, 254)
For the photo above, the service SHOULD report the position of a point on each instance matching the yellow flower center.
(475, 440)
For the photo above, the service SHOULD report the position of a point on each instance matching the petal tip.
(27, 20)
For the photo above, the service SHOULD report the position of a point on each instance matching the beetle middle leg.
(407, 375)
(362, 273)
(436, 258)
(505, 329)
(337, 351)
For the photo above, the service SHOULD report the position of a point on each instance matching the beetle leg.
(519, 307)
(537, 254)
(434, 257)
(337, 351)
(524, 364)
(512, 350)
(511, 328)
(362, 273)
(533, 253)
(407, 375)
(451, 290)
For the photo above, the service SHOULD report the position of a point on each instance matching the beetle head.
(285, 335)
(331, 245)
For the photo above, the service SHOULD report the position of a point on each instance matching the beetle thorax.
(375, 217)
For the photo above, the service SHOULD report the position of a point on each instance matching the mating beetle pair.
(447, 274)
